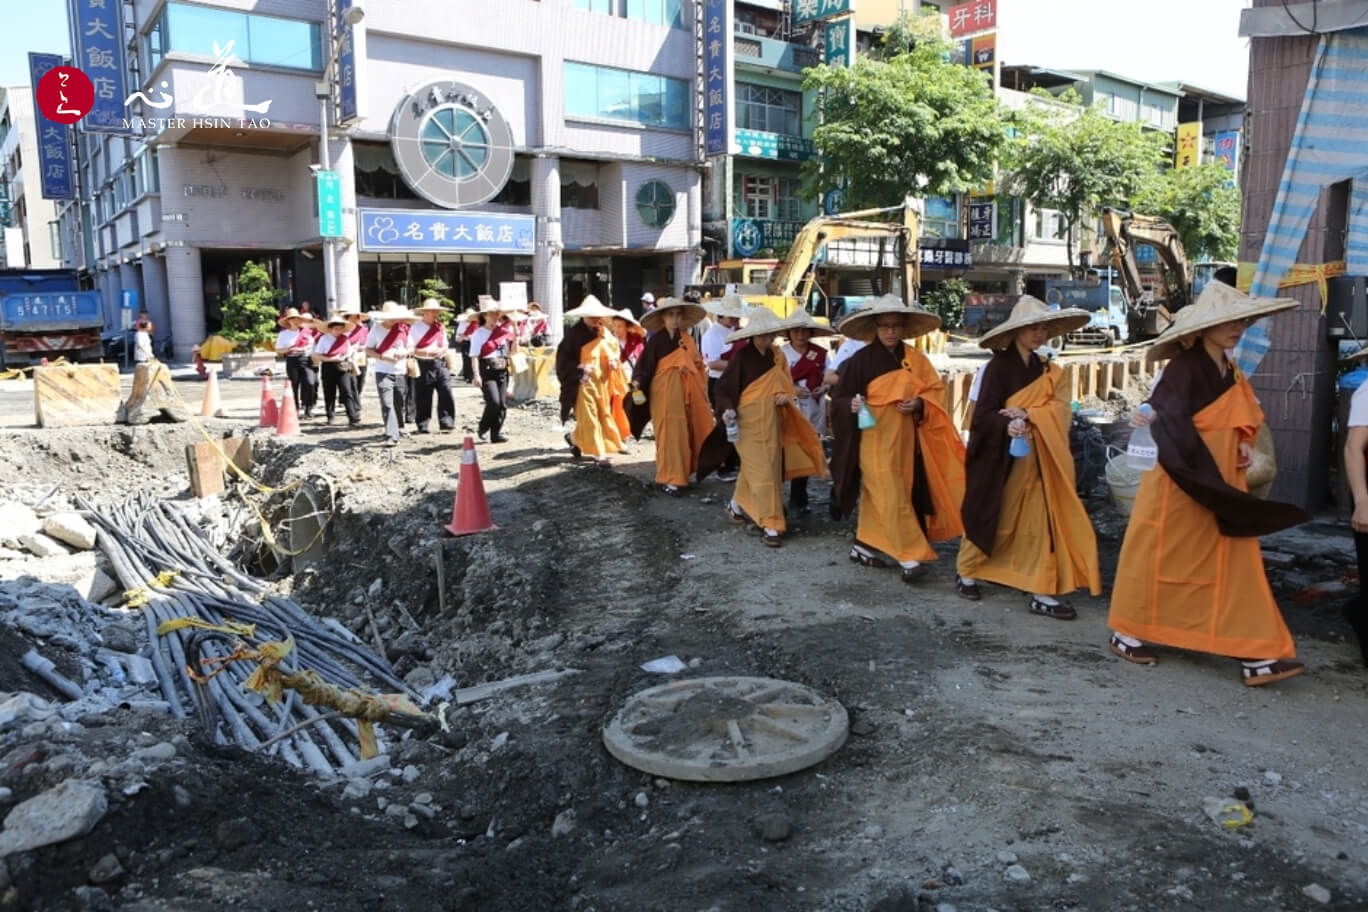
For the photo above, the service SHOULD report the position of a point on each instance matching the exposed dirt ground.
(982, 737)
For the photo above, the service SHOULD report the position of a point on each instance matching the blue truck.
(1110, 323)
(43, 314)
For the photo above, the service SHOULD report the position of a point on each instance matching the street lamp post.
(323, 89)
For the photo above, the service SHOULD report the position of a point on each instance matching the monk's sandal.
(1140, 655)
(865, 558)
(1262, 673)
(1057, 611)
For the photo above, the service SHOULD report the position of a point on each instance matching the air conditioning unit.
(745, 28)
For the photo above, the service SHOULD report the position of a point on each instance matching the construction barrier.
(75, 395)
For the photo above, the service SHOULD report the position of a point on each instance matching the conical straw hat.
(759, 320)
(862, 324)
(1218, 303)
(592, 307)
(1030, 311)
(653, 320)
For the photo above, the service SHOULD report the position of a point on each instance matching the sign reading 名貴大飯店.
(975, 16)
(717, 59)
(426, 231)
(98, 32)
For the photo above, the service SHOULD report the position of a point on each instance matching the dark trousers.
(1356, 612)
(338, 383)
(304, 380)
(391, 389)
(494, 385)
(467, 366)
(733, 460)
(409, 413)
(434, 379)
(798, 492)
(361, 380)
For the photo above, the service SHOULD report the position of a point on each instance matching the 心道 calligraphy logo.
(64, 95)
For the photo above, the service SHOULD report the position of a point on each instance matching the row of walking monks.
(1190, 574)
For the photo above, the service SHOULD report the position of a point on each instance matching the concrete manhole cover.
(726, 729)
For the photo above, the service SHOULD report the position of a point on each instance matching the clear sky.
(1196, 41)
(30, 25)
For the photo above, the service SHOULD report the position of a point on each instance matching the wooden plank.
(206, 468)
(239, 452)
(75, 395)
(1118, 376)
(1071, 380)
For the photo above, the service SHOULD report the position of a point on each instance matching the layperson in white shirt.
(430, 347)
(294, 343)
(388, 350)
(337, 367)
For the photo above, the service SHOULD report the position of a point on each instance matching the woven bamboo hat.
(393, 311)
(1030, 311)
(759, 321)
(291, 313)
(337, 319)
(653, 320)
(351, 310)
(592, 307)
(918, 321)
(632, 324)
(1218, 303)
(801, 319)
(432, 304)
(732, 305)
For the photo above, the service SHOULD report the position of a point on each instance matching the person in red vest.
(388, 348)
(357, 332)
(491, 348)
(430, 348)
(337, 368)
(295, 344)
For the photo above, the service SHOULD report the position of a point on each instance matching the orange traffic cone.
(269, 413)
(470, 513)
(288, 423)
(212, 406)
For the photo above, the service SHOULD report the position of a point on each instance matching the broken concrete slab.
(71, 809)
(17, 519)
(72, 529)
(40, 545)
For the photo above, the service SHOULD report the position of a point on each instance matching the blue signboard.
(748, 237)
(808, 10)
(426, 231)
(47, 310)
(1144, 253)
(329, 204)
(128, 298)
(832, 201)
(982, 219)
(56, 173)
(350, 58)
(716, 51)
(838, 38)
(778, 146)
(97, 27)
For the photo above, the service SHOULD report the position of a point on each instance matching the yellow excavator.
(1152, 298)
(792, 284)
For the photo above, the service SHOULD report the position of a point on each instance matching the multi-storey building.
(30, 222)
(550, 142)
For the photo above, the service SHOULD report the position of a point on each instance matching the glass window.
(769, 110)
(660, 12)
(787, 204)
(758, 196)
(655, 203)
(595, 6)
(268, 40)
(1156, 116)
(644, 98)
(1047, 225)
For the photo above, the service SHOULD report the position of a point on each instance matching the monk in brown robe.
(1191, 574)
(670, 392)
(586, 362)
(756, 396)
(907, 469)
(1024, 525)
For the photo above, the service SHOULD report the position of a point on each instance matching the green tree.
(910, 122)
(434, 287)
(1200, 204)
(1076, 161)
(250, 315)
(946, 300)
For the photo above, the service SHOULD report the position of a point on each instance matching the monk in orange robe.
(906, 469)
(1024, 525)
(669, 390)
(586, 364)
(756, 395)
(1191, 574)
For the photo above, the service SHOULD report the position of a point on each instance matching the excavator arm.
(795, 276)
(1125, 230)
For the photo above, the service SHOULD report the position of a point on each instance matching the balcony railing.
(778, 55)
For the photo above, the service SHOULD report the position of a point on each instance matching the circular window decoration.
(452, 145)
(655, 202)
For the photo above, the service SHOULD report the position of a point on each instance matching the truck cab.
(1109, 324)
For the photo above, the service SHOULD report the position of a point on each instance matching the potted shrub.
(249, 321)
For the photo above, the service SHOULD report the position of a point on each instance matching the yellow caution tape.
(1240, 808)
(1298, 274)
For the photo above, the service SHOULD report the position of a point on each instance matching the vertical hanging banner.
(717, 63)
(98, 39)
(1188, 153)
(329, 203)
(1227, 149)
(56, 175)
(975, 16)
(839, 39)
(351, 67)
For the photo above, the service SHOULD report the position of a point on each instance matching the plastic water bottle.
(1019, 446)
(638, 397)
(865, 419)
(733, 429)
(1142, 453)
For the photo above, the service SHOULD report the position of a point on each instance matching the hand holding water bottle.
(729, 421)
(1021, 444)
(1141, 452)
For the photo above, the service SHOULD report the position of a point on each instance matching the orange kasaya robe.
(1180, 582)
(596, 430)
(888, 518)
(679, 412)
(776, 444)
(1044, 542)
(619, 388)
